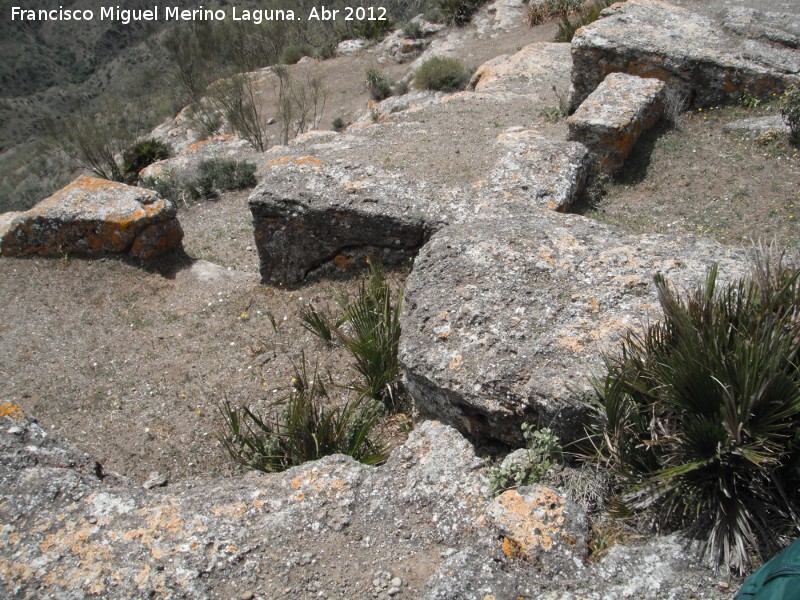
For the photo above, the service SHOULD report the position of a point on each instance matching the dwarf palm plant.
(303, 426)
(699, 417)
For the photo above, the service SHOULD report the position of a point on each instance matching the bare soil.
(130, 362)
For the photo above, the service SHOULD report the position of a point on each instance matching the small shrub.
(458, 12)
(790, 111)
(413, 30)
(589, 12)
(380, 88)
(543, 452)
(292, 54)
(339, 124)
(215, 175)
(442, 74)
(222, 175)
(143, 154)
(539, 12)
(400, 88)
(698, 417)
(301, 429)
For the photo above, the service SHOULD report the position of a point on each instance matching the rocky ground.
(130, 364)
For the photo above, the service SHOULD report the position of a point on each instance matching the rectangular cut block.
(703, 61)
(611, 119)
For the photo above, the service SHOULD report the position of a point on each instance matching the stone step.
(694, 55)
(610, 121)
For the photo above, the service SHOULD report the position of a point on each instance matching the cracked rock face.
(317, 212)
(692, 54)
(92, 217)
(506, 320)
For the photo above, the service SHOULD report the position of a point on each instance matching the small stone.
(396, 582)
(248, 595)
(15, 430)
(155, 479)
(393, 591)
(272, 121)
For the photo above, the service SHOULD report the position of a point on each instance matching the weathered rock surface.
(610, 121)
(183, 167)
(693, 54)
(421, 525)
(755, 126)
(285, 535)
(534, 71)
(93, 217)
(506, 319)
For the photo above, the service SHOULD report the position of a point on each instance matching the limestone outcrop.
(611, 120)
(316, 211)
(93, 217)
(505, 319)
(703, 62)
(421, 525)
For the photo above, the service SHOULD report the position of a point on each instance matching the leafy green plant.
(339, 124)
(143, 154)
(442, 74)
(790, 111)
(318, 323)
(380, 88)
(301, 428)
(543, 451)
(698, 416)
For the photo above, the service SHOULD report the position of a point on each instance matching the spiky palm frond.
(699, 415)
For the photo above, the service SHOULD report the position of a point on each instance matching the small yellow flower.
(699, 110)
(244, 316)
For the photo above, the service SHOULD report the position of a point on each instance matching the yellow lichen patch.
(529, 524)
(308, 160)
(164, 518)
(92, 564)
(303, 160)
(342, 261)
(455, 363)
(197, 145)
(511, 548)
(11, 409)
(234, 511)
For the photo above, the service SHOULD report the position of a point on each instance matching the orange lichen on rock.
(530, 524)
(11, 409)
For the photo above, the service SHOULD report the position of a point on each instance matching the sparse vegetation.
(379, 87)
(301, 104)
(790, 111)
(143, 154)
(238, 100)
(542, 452)
(94, 142)
(698, 416)
(303, 426)
(589, 13)
(539, 12)
(369, 329)
(458, 12)
(214, 176)
(339, 124)
(442, 74)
